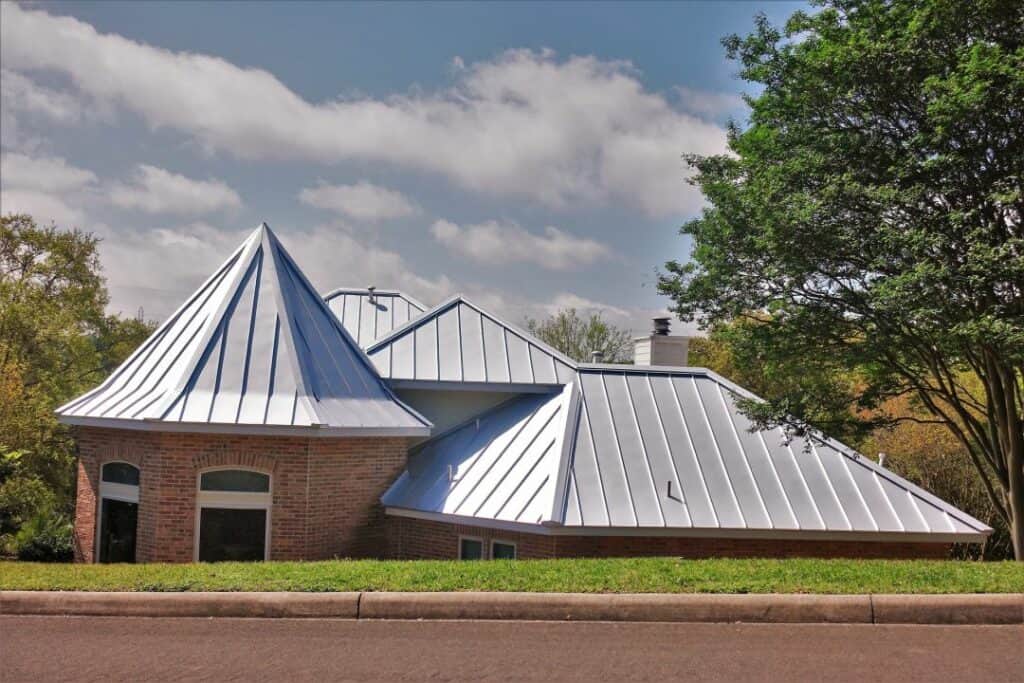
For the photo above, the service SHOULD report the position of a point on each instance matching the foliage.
(21, 498)
(56, 341)
(816, 387)
(634, 575)
(871, 216)
(578, 337)
(931, 456)
(46, 537)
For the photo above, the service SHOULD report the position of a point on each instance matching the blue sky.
(526, 154)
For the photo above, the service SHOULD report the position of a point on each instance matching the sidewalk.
(760, 608)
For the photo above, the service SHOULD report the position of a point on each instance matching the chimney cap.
(662, 325)
(596, 356)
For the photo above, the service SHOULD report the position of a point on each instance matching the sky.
(527, 155)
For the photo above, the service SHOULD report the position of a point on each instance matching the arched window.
(233, 515)
(118, 513)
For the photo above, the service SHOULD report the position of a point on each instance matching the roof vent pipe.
(371, 289)
(661, 326)
(596, 356)
(881, 459)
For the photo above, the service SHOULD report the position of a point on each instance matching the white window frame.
(478, 539)
(233, 500)
(125, 493)
(515, 547)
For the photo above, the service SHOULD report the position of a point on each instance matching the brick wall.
(325, 491)
(421, 539)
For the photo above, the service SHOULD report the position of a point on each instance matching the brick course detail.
(326, 491)
(410, 538)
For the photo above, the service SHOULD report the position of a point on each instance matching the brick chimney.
(659, 347)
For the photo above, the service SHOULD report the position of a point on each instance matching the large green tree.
(872, 213)
(579, 337)
(56, 341)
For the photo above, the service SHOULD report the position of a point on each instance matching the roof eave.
(309, 431)
(550, 528)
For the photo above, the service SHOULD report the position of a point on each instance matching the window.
(503, 550)
(233, 517)
(235, 480)
(471, 548)
(118, 512)
(121, 473)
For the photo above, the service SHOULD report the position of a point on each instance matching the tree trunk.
(1015, 503)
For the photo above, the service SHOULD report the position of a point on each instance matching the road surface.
(84, 648)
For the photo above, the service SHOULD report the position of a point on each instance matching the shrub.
(46, 537)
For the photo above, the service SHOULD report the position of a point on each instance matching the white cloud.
(709, 103)
(559, 131)
(42, 206)
(155, 190)
(362, 201)
(160, 267)
(50, 174)
(18, 92)
(48, 188)
(493, 242)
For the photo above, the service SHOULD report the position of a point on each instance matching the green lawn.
(654, 575)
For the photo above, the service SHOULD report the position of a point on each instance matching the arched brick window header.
(251, 461)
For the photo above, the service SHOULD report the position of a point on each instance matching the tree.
(871, 214)
(579, 337)
(56, 341)
(932, 457)
(817, 387)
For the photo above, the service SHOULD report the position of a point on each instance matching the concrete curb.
(281, 605)
(619, 607)
(750, 608)
(989, 608)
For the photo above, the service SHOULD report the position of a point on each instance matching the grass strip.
(641, 575)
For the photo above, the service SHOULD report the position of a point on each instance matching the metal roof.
(459, 342)
(502, 465)
(254, 350)
(367, 321)
(665, 450)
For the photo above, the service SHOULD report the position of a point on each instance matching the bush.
(21, 499)
(46, 537)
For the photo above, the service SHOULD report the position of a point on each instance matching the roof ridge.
(354, 347)
(377, 291)
(249, 249)
(455, 299)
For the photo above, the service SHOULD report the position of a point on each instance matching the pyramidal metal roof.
(457, 341)
(254, 350)
(654, 451)
(368, 316)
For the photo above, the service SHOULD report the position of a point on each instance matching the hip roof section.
(666, 450)
(254, 350)
(368, 317)
(459, 342)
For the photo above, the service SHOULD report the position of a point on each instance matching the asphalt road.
(83, 648)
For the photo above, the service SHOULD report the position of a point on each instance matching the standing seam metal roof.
(254, 348)
(458, 341)
(653, 448)
(367, 321)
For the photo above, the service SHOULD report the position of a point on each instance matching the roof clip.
(670, 489)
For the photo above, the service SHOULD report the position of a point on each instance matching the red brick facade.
(420, 539)
(325, 491)
(326, 504)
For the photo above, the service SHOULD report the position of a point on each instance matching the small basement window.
(503, 550)
(471, 548)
